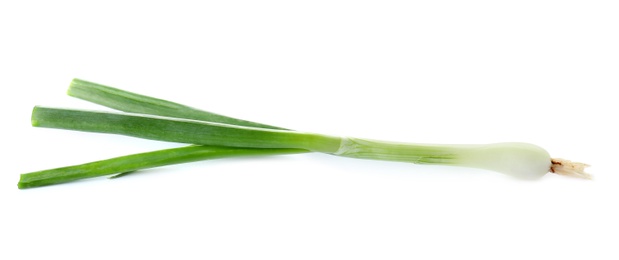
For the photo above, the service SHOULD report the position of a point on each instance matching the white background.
(543, 72)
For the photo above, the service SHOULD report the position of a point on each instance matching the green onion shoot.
(212, 136)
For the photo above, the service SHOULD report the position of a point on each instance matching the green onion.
(220, 136)
(134, 162)
(520, 160)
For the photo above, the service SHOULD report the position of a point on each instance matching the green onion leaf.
(140, 161)
(135, 103)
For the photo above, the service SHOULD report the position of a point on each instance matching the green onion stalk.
(157, 119)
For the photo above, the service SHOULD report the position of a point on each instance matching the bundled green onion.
(217, 136)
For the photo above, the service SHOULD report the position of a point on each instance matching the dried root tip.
(569, 168)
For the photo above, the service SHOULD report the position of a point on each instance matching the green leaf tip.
(33, 120)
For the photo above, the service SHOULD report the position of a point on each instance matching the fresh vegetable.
(158, 119)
